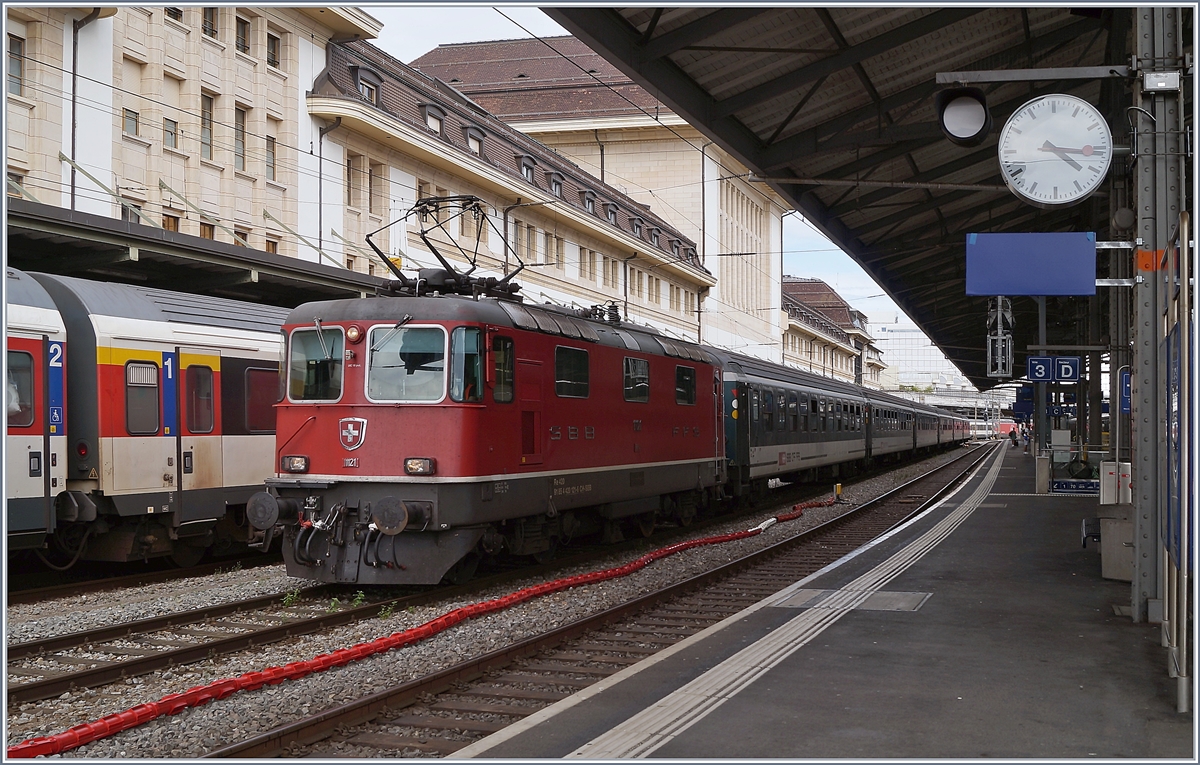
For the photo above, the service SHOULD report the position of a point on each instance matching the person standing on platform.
(1012, 434)
(1025, 435)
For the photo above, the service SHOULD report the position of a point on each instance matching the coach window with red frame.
(200, 408)
(20, 389)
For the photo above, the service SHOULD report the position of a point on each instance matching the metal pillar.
(1041, 427)
(1158, 176)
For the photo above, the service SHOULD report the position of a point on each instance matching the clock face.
(1055, 151)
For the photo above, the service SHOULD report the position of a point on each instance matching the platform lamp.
(963, 115)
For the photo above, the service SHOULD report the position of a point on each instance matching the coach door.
(529, 393)
(198, 428)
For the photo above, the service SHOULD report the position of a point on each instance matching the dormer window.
(528, 167)
(654, 236)
(589, 201)
(610, 212)
(635, 225)
(556, 183)
(434, 116)
(675, 247)
(367, 82)
(474, 138)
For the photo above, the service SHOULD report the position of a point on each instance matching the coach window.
(637, 380)
(768, 400)
(502, 369)
(141, 398)
(570, 372)
(466, 365)
(793, 412)
(315, 365)
(200, 414)
(260, 400)
(685, 385)
(780, 411)
(753, 405)
(20, 389)
(406, 364)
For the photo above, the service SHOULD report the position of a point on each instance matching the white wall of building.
(94, 118)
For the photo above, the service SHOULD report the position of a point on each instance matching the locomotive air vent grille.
(527, 317)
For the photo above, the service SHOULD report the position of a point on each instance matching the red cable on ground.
(251, 681)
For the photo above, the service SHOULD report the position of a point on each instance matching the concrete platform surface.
(980, 629)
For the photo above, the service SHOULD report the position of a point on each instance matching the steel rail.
(321, 725)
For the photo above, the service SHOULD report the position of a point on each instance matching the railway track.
(440, 714)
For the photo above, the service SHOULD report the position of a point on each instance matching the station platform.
(982, 628)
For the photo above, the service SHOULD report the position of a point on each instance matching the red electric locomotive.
(415, 432)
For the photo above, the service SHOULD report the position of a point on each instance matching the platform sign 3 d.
(1040, 368)
(1066, 368)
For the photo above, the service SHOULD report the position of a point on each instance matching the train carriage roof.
(24, 290)
(134, 302)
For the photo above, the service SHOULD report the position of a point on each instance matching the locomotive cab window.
(315, 367)
(20, 389)
(685, 385)
(141, 398)
(200, 409)
(407, 364)
(502, 369)
(570, 372)
(637, 380)
(466, 364)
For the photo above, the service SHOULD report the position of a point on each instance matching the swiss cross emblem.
(353, 431)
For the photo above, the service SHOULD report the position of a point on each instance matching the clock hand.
(1061, 154)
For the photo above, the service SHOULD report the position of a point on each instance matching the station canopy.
(835, 108)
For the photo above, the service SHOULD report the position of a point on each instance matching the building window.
(435, 116)
(654, 238)
(349, 264)
(170, 223)
(174, 13)
(589, 202)
(209, 22)
(635, 225)
(272, 246)
(239, 139)
(206, 127)
(208, 231)
(474, 144)
(474, 138)
(170, 133)
(527, 171)
(368, 91)
(556, 183)
(141, 398)
(16, 65)
(610, 212)
(675, 248)
(374, 188)
(242, 41)
(273, 50)
(350, 180)
(131, 122)
(17, 180)
(270, 158)
(241, 237)
(129, 212)
(528, 167)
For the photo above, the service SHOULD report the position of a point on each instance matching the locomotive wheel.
(185, 555)
(547, 555)
(461, 572)
(645, 524)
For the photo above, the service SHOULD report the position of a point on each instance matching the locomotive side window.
(407, 364)
(637, 380)
(502, 367)
(315, 366)
(200, 410)
(260, 404)
(570, 372)
(141, 398)
(685, 385)
(466, 364)
(20, 389)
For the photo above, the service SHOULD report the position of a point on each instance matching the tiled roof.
(821, 297)
(531, 79)
(404, 93)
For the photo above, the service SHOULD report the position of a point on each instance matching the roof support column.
(1157, 182)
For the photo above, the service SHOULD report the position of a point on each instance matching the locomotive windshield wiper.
(321, 339)
(407, 318)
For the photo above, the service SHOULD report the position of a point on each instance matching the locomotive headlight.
(420, 466)
(294, 464)
(354, 333)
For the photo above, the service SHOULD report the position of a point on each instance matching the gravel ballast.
(198, 730)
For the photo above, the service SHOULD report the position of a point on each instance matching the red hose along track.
(251, 681)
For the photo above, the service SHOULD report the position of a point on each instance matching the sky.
(411, 31)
